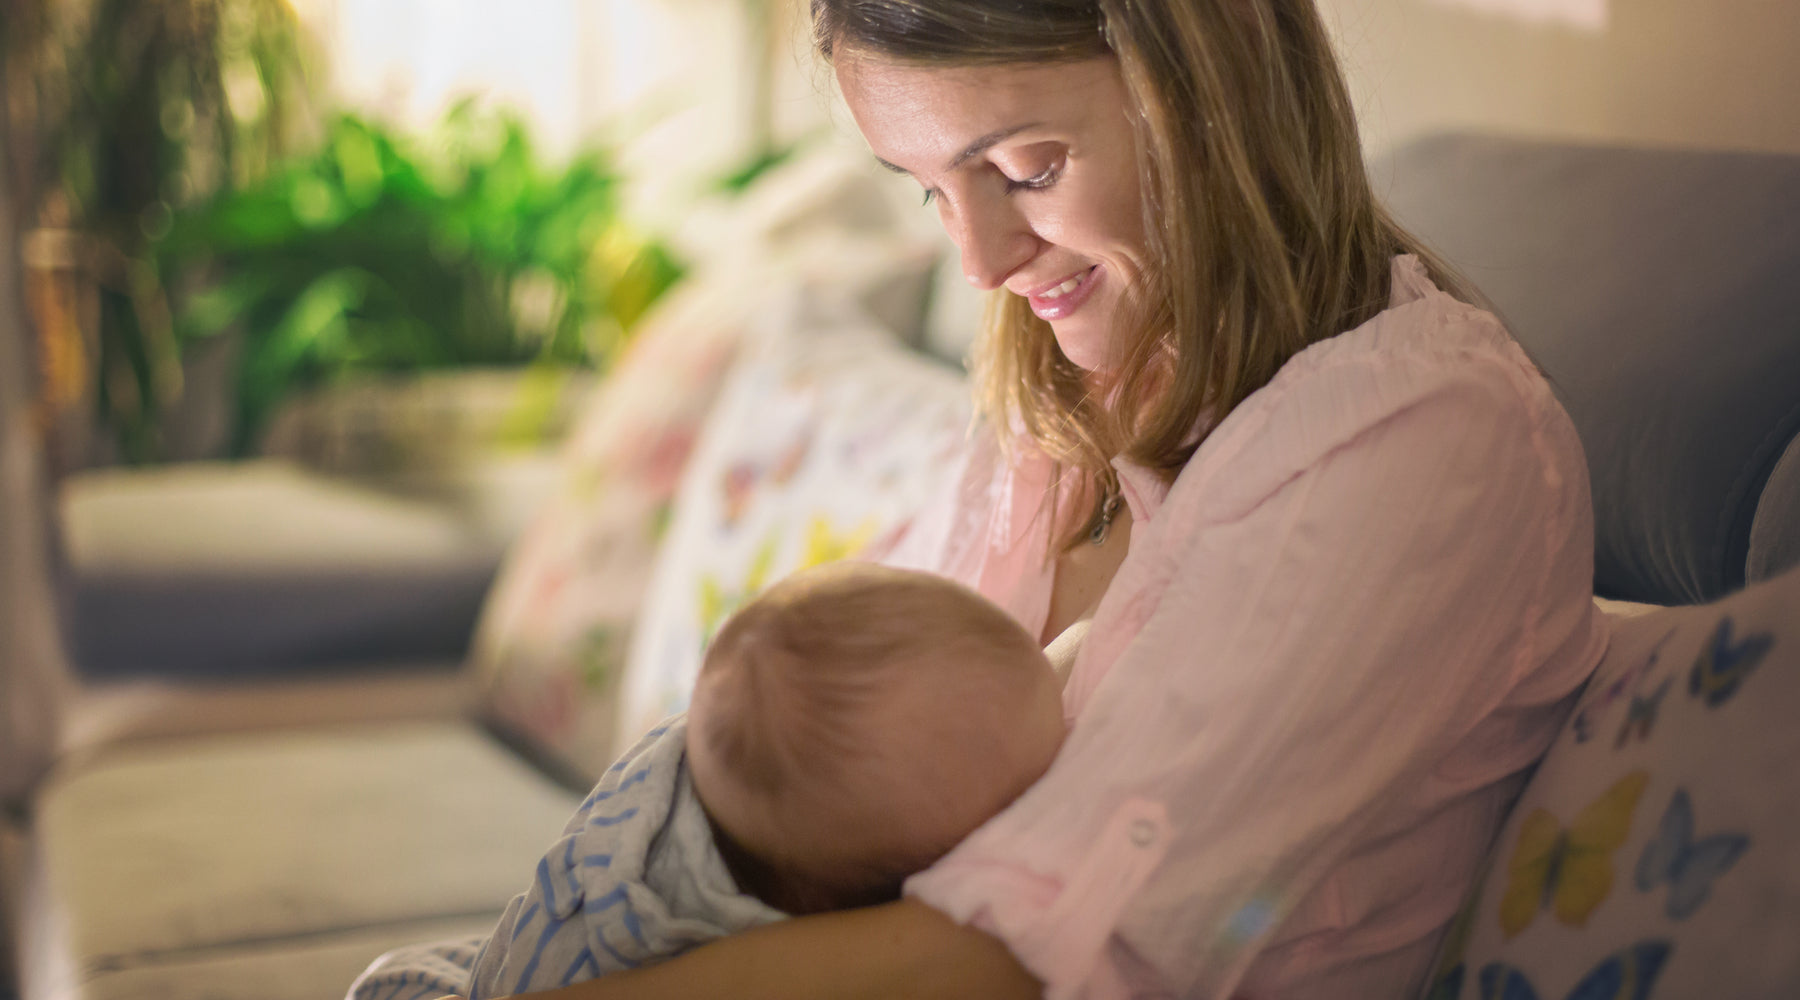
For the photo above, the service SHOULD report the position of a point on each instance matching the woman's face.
(1033, 169)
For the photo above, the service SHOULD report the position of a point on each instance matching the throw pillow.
(1653, 853)
(828, 439)
(554, 628)
(558, 621)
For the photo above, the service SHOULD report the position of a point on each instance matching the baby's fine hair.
(790, 684)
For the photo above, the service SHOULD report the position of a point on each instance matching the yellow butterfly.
(825, 543)
(1569, 870)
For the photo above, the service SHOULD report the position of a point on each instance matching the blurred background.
(227, 203)
(370, 384)
(380, 251)
(275, 251)
(230, 204)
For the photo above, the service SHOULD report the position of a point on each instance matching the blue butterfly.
(1690, 867)
(1723, 666)
(1640, 715)
(1593, 705)
(1624, 975)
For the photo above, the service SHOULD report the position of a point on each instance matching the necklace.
(1107, 510)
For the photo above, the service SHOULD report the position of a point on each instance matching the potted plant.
(379, 255)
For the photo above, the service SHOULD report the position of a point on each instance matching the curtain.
(34, 679)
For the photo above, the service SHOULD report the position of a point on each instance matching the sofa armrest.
(264, 570)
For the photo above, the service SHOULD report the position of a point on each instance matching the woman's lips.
(1059, 300)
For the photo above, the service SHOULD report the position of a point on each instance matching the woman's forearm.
(902, 951)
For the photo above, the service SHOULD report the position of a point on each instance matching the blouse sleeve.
(1349, 577)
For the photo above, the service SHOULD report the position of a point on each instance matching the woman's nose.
(993, 239)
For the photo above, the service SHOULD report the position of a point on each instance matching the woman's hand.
(903, 951)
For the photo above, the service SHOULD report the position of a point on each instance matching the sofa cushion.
(1656, 288)
(1657, 840)
(826, 440)
(175, 853)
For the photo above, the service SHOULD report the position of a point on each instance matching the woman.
(1331, 529)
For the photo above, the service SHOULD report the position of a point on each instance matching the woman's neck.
(1082, 574)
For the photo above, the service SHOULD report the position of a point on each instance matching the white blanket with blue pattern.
(635, 878)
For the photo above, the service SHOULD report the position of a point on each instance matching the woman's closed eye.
(1036, 182)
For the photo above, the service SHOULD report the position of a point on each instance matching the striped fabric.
(635, 878)
(420, 971)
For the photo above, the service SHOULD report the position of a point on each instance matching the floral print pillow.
(1656, 852)
(554, 633)
(556, 624)
(826, 441)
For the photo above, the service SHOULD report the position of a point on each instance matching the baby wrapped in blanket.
(847, 729)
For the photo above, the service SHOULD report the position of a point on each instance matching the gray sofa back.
(1660, 292)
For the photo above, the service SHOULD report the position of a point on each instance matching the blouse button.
(1143, 833)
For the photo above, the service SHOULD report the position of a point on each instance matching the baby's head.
(855, 722)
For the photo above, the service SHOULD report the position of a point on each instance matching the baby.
(853, 724)
(847, 729)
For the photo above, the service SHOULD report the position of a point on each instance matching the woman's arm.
(903, 951)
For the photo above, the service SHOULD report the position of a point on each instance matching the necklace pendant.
(1109, 509)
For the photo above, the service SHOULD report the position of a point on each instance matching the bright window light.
(1586, 15)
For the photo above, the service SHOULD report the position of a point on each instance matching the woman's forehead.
(923, 116)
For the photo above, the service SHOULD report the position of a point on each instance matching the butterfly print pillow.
(1655, 853)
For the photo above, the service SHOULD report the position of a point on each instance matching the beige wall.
(1716, 73)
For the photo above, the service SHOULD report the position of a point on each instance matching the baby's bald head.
(855, 722)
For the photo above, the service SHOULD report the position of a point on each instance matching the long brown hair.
(1262, 230)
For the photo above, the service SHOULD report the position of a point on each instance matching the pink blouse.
(1312, 690)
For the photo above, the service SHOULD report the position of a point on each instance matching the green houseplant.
(126, 112)
(379, 254)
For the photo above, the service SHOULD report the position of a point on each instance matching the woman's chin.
(1085, 349)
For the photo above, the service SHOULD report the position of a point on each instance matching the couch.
(212, 839)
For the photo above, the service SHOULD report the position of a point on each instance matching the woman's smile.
(1060, 300)
(1033, 170)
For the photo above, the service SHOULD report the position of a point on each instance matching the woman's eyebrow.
(972, 150)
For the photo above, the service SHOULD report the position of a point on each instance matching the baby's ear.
(753, 875)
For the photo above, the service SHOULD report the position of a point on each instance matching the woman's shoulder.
(1424, 331)
(1430, 371)
(1424, 343)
